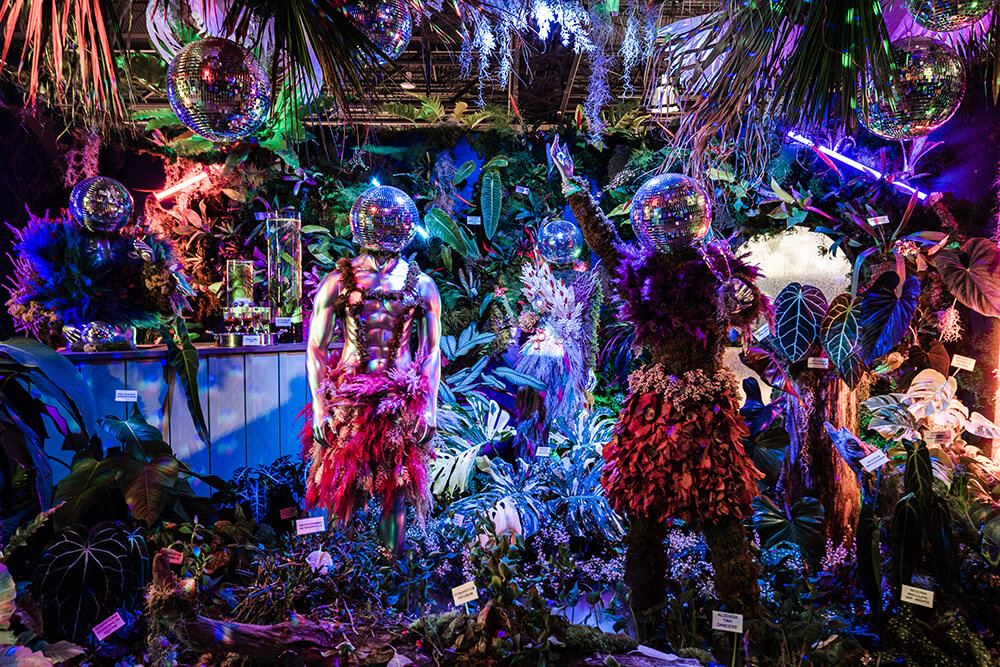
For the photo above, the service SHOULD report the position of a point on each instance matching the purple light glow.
(843, 159)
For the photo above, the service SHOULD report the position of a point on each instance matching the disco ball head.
(560, 242)
(948, 15)
(101, 204)
(387, 23)
(99, 333)
(927, 90)
(670, 210)
(218, 89)
(383, 218)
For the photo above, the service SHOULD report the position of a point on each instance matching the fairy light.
(843, 159)
(181, 185)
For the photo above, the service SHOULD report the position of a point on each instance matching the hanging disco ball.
(101, 204)
(670, 209)
(948, 15)
(387, 23)
(383, 218)
(560, 242)
(218, 90)
(927, 90)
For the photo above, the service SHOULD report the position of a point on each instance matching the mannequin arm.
(429, 336)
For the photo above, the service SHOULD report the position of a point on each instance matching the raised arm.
(429, 337)
(598, 231)
(324, 318)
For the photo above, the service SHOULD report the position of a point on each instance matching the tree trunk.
(735, 569)
(645, 573)
(813, 466)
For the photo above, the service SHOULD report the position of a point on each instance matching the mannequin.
(374, 406)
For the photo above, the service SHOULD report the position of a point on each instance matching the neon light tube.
(843, 159)
(177, 187)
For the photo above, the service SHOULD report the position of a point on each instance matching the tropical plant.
(800, 525)
(268, 489)
(26, 648)
(578, 498)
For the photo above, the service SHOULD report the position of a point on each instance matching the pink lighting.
(177, 187)
(843, 159)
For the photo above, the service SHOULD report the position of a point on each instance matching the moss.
(585, 639)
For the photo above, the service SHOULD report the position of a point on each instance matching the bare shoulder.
(427, 288)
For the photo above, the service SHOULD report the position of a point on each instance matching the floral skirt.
(373, 442)
(678, 458)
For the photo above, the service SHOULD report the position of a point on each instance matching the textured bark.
(645, 572)
(813, 466)
(735, 570)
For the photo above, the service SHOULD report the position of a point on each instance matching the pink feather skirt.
(373, 444)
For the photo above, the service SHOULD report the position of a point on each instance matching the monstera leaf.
(886, 314)
(798, 313)
(840, 336)
(83, 577)
(972, 275)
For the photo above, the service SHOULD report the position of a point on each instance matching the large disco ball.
(218, 90)
(101, 204)
(948, 15)
(383, 218)
(670, 209)
(925, 93)
(387, 23)
(559, 242)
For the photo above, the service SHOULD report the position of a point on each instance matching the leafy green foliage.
(490, 201)
(886, 311)
(972, 275)
(798, 312)
(799, 525)
(183, 358)
(840, 334)
(579, 498)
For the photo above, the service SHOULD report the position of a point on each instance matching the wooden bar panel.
(263, 422)
(227, 421)
(184, 438)
(293, 395)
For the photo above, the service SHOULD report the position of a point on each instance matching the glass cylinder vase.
(284, 268)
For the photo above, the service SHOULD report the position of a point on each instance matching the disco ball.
(560, 242)
(383, 218)
(99, 333)
(101, 204)
(670, 209)
(387, 23)
(925, 93)
(948, 15)
(218, 90)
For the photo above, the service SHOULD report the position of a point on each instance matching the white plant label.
(878, 220)
(108, 626)
(473, 220)
(937, 437)
(727, 622)
(314, 524)
(126, 395)
(459, 520)
(917, 596)
(174, 557)
(283, 322)
(521, 190)
(251, 341)
(465, 593)
(818, 362)
(963, 363)
(874, 461)
(289, 513)
(762, 332)
(543, 451)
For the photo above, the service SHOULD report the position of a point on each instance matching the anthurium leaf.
(183, 358)
(940, 538)
(799, 525)
(798, 313)
(8, 591)
(918, 478)
(840, 335)
(490, 201)
(905, 538)
(145, 486)
(139, 439)
(767, 366)
(972, 275)
(867, 552)
(22, 656)
(767, 449)
(441, 225)
(86, 481)
(463, 172)
(885, 317)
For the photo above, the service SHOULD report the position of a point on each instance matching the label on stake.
(473, 220)
(874, 461)
(458, 520)
(917, 596)
(521, 190)
(543, 451)
(727, 622)
(314, 524)
(963, 363)
(819, 363)
(126, 395)
(465, 593)
(174, 557)
(937, 437)
(878, 220)
(108, 626)
(283, 322)
(251, 341)
(762, 332)
(289, 513)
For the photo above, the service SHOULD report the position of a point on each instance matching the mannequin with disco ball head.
(374, 404)
(676, 453)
